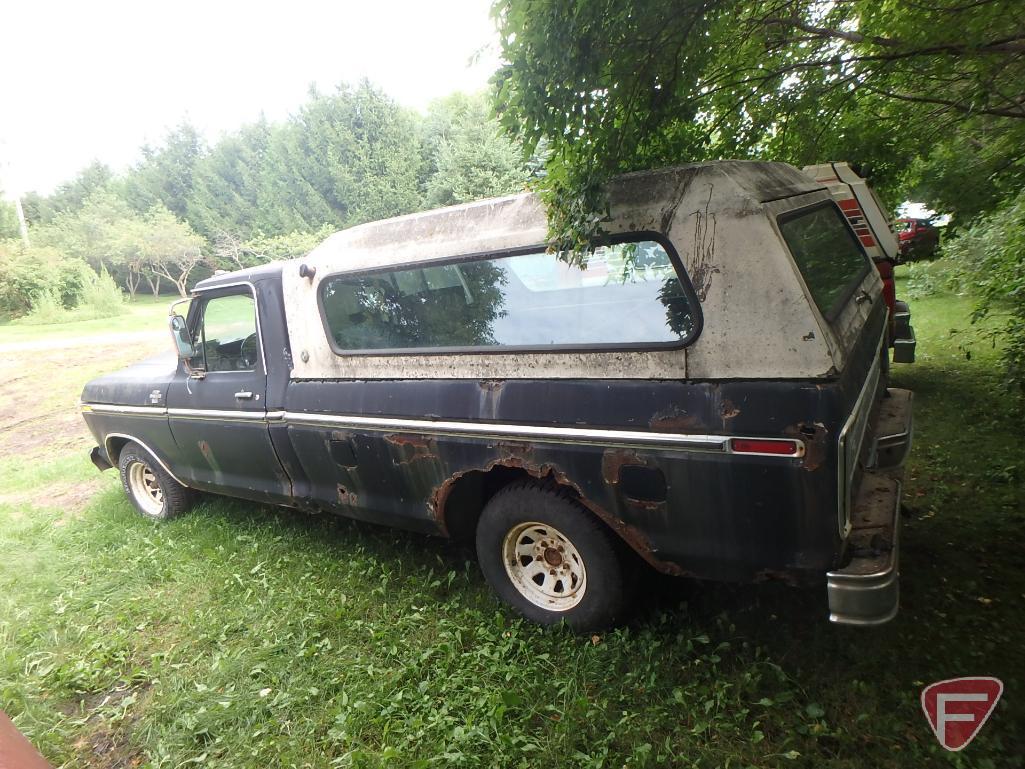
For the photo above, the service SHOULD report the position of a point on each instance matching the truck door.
(218, 413)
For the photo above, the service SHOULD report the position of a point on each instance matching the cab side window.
(227, 334)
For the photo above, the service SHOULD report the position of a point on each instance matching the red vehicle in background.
(918, 238)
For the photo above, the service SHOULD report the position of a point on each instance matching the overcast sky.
(95, 79)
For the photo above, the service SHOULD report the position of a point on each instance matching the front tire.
(549, 559)
(155, 494)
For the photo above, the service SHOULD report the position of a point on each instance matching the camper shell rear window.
(631, 293)
(828, 254)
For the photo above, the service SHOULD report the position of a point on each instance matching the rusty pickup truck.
(707, 393)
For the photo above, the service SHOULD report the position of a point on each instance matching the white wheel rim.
(544, 566)
(145, 488)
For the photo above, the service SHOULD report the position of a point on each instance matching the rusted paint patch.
(208, 455)
(648, 505)
(347, 497)
(675, 421)
(520, 450)
(612, 461)
(814, 435)
(411, 447)
(728, 410)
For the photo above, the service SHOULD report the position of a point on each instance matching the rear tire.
(549, 559)
(155, 494)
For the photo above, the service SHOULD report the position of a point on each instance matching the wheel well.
(113, 447)
(461, 501)
(466, 496)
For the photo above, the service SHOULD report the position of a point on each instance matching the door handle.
(243, 395)
(862, 297)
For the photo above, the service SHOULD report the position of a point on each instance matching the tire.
(549, 559)
(155, 494)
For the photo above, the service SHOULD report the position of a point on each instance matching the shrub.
(26, 273)
(56, 290)
(991, 260)
(101, 298)
(929, 278)
(47, 308)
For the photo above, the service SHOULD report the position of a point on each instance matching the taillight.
(885, 268)
(776, 446)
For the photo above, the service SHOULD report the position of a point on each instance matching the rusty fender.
(518, 457)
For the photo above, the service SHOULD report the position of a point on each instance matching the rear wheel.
(550, 559)
(152, 490)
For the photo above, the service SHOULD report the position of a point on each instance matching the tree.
(354, 156)
(643, 83)
(165, 175)
(88, 232)
(8, 219)
(471, 159)
(230, 194)
(170, 250)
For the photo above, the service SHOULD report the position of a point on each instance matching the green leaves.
(648, 83)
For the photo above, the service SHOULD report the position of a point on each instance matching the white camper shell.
(760, 319)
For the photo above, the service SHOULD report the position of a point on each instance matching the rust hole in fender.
(635, 538)
(814, 435)
(346, 497)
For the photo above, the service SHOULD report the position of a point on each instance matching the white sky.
(95, 79)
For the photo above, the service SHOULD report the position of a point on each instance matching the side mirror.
(182, 338)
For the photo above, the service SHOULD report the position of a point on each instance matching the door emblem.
(155, 396)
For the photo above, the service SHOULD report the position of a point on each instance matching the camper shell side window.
(828, 255)
(631, 293)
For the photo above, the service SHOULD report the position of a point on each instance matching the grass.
(242, 636)
(143, 314)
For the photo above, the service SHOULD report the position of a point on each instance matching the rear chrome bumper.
(867, 590)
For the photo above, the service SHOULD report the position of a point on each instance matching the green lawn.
(143, 314)
(257, 637)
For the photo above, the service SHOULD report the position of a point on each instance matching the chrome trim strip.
(219, 414)
(109, 408)
(486, 430)
(543, 434)
(540, 433)
(151, 452)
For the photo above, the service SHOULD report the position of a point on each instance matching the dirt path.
(82, 342)
(41, 381)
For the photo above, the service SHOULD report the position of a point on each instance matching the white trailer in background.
(859, 203)
(872, 225)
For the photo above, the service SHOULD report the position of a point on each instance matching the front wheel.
(152, 490)
(550, 559)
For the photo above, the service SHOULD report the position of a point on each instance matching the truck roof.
(516, 221)
(247, 275)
